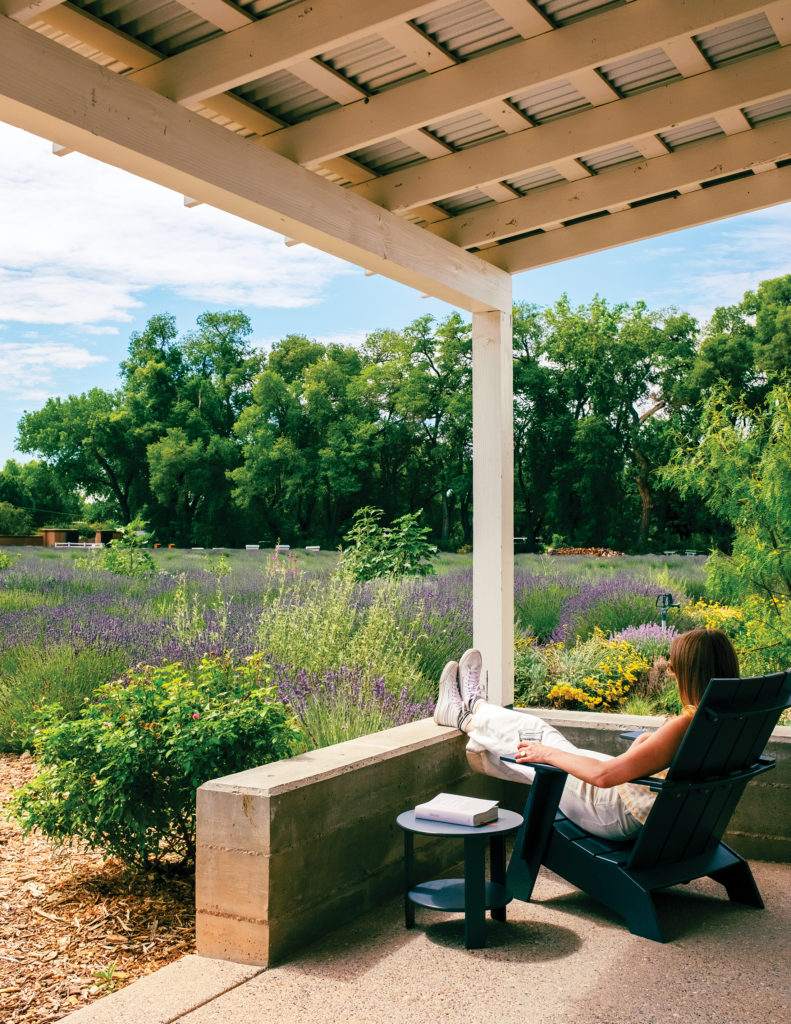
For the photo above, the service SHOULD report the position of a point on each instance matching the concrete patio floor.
(561, 959)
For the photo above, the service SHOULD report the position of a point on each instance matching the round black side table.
(472, 894)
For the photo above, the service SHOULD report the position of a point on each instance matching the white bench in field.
(282, 547)
(313, 548)
(252, 547)
(76, 544)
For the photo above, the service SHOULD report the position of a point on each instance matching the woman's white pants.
(495, 731)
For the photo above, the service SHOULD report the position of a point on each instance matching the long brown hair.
(698, 656)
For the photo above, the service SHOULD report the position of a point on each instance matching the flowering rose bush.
(123, 775)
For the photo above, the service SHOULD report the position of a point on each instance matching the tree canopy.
(214, 442)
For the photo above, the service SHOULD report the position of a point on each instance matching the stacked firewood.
(595, 552)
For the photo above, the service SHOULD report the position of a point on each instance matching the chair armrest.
(539, 766)
(657, 785)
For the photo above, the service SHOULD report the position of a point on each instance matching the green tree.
(308, 441)
(91, 441)
(740, 468)
(770, 305)
(13, 521)
(38, 489)
(184, 396)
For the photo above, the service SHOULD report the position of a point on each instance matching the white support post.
(493, 500)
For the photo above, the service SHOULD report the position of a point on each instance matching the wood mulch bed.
(74, 925)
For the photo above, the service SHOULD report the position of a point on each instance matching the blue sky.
(88, 253)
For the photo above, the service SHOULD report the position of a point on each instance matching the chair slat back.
(727, 735)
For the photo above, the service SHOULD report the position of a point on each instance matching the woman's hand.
(538, 752)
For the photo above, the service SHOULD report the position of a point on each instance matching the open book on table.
(458, 810)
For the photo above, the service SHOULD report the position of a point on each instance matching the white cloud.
(27, 369)
(82, 241)
(93, 329)
(721, 261)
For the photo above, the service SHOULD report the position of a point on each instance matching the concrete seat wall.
(289, 851)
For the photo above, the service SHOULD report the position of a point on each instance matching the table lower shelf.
(448, 894)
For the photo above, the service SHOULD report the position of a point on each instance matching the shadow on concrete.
(685, 912)
(510, 941)
(357, 948)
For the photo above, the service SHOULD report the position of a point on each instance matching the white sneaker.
(450, 706)
(471, 685)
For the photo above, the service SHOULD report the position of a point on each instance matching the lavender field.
(348, 658)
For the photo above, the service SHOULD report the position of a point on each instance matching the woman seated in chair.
(598, 795)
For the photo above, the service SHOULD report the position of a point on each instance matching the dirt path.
(73, 925)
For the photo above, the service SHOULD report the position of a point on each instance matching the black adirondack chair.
(681, 839)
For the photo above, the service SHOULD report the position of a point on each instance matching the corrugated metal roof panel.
(468, 130)
(467, 27)
(640, 71)
(164, 25)
(465, 201)
(737, 39)
(524, 183)
(387, 156)
(372, 63)
(561, 12)
(611, 157)
(548, 102)
(286, 96)
(780, 106)
(706, 129)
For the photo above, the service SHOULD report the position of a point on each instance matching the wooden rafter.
(104, 115)
(699, 207)
(683, 101)
(501, 74)
(272, 44)
(634, 182)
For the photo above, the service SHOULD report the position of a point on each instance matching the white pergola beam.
(709, 158)
(104, 115)
(779, 16)
(325, 80)
(683, 101)
(81, 25)
(221, 13)
(503, 73)
(238, 110)
(493, 500)
(521, 15)
(686, 56)
(701, 206)
(272, 44)
(26, 10)
(410, 41)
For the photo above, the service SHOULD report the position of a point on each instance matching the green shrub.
(126, 556)
(315, 625)
(595, 675)
(5, 560)
(32, 677)
(398, 550)
(613, 615)
(537, 608)
(122, 777)
(530, 673)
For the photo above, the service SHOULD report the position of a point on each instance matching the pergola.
(444, 145)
